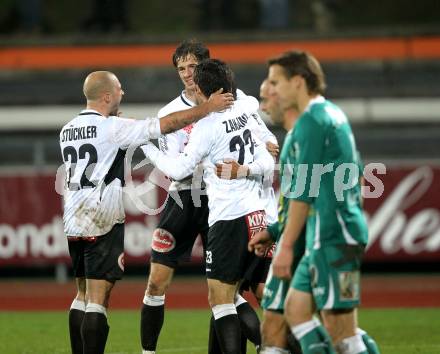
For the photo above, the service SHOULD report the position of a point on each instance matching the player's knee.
(340, 323)
(274, 329)
(81, 288)
(81, 294)
(216, 299)
(98, 291)
(290, 312)
(336, 332)
(156, 287)
(159, 280)
(212, 298)
(220, 293)
(295, 312)
(269, 326)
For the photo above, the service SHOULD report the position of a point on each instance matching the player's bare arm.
(282, 262)
(260, 243)
(217, 102)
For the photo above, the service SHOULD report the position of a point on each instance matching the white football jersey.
(93, 149)
(219, 136)
(265, 135)
(172, 144)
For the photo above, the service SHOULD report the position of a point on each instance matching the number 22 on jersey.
(70, 153)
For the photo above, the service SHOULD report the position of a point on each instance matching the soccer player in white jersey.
(186, 213)
(235, 207)
(274, 328)
(256, 274)
(93, 147)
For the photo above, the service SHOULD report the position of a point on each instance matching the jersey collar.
(317, 99)
(86, 112)
(186, 100)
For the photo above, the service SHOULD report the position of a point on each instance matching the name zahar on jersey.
(232, 125)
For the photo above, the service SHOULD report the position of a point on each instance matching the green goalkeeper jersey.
(326, 175)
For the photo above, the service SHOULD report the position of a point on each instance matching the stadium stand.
(383, 70)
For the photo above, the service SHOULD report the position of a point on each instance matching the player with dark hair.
(256, 273)
(235, 207)
(275, 332)
(93, 148)
(179, 224)
(186, 214)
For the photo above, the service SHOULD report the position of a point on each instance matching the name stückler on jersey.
(232, 125)
(78, 133)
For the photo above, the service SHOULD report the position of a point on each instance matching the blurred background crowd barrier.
(382, 63)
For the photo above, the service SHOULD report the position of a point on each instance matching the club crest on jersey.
(163, 241)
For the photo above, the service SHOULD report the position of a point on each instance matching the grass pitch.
(397, 331)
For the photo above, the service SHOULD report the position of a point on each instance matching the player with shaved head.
(93, 146)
